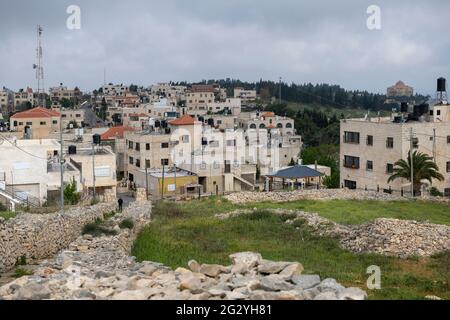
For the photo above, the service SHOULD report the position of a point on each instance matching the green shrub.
(21, 272)
(299, 223)
(168, 209)
(22, 261)
(97, 229)
(2, 207)
(287, 216)
(127, 224)
(71, 195)
(109, 215)
(435, 192)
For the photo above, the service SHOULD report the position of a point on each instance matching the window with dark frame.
(390, 143)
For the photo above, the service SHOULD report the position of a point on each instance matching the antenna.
(39, 67)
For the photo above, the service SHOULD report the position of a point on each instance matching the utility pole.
(434, 145)
(146, 180)
(411, 161)
(93, 170)
(162, 189)
(61, 159)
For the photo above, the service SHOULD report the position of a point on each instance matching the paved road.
(90, 118)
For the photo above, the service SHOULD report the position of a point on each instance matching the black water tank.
(164, 124)
(157, 124)
(204, 142)
(211, 122)
(72, 149)
(201, 119)
(96, 139)
(167, 130)
(404, 107)
(441, 85)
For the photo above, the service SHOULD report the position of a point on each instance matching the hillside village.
(69, 165)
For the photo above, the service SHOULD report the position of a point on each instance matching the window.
(448, 139)
(138, 147)
(390, 143)
(130, 144)
(369, 166)
(415, 143)
(253, 126)
(20, 123)
(262, 126)
(147, 146)
(350, 184)
(351, 137)
(370, 140)
(130, 160)
(438, 112)
(138, 163)
(280, 125)
(164, 145)
(389, 168)
(78, 115)
(147, 163)
(351, 162)
(231, 143)
(289, 126)
(29, 123)
(448, 166)
(43, 123)
(55, 121)
(15, 125)
(185, 139)
(164, 162)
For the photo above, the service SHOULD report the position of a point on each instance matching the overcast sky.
(146, 41)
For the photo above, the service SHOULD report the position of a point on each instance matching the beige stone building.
(72, 115)
(37, 123)
(23, 96)
(266, 120)
(245, 95)
(62, 92)
(370, 147)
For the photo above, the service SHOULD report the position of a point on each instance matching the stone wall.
(39, 236)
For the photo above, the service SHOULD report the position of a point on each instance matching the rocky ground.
(402, 238)
(86, 277)
(323, 194)
(100, 268)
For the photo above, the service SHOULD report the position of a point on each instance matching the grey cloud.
(147, 41)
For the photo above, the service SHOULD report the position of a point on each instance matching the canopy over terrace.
(297, 176)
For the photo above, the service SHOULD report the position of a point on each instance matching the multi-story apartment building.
(23, 97)
(370, 147)
(31, 169)
(245, 95)
(198, 97)
(61, 92)
(6, 101)
(72, 115)
(172, 93)
(35, 123)
(114, 90)
(266, 120)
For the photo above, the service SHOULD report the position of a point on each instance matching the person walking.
(120, 201)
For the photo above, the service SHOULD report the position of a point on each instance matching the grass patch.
(7, 215)
(21, 272)
(358, 212)
(197, 234)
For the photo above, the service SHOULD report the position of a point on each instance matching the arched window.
(262, 126)
(253, 126)
(280, 125)
(289, 125)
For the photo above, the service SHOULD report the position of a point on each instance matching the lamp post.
(61, 158)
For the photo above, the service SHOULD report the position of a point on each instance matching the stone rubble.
(100, 268)
(401, 238)
(322, 194)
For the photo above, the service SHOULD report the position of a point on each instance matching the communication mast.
(39, 67)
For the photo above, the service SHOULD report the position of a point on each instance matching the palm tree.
(424, 168)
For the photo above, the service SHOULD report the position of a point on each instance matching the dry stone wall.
(39, 236)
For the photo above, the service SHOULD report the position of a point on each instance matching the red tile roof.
(38, 112)
(185, 120)
(268, 114)
(115, 132)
